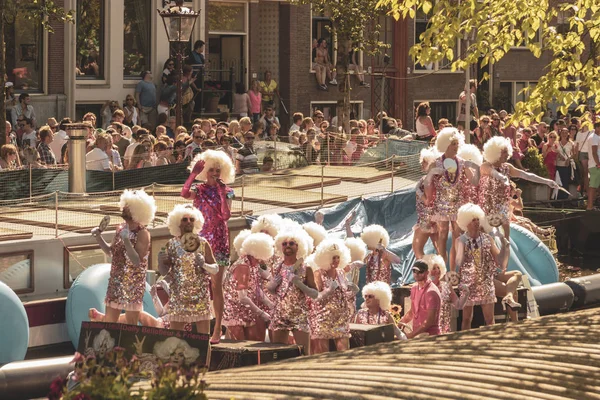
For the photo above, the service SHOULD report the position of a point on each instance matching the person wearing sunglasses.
(246, 159)
(213, 198)
(292, 282)
(376, 308)
(425, 303)
(189, 301)
(379, 259)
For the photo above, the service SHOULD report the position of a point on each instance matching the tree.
(569, 32)
(355, 24)
(42, 12)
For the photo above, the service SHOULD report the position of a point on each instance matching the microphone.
(220, 182)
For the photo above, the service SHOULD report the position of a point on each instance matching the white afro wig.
(239, 239)
(433, 260)
(470, 152)
(493, 147)
(289, 224)
(328, 249)
(468, 213)
(305, 246)
(429, 155)
(445, 137)
(268, 223)
(310, 262)
(215, 159)
(258, 245)
(373, 234)
(358, 248)
(184, 210)
(315, 231)
(381, 291)
(141, 206)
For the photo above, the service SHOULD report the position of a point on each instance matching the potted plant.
(534, 163)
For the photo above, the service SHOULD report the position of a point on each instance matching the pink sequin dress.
(235, 313)
(127, 282)
(364, 317)
(262, 282)
(190, 287)
(329, 318)
(494, 195)
(291, 306)
(478, 270)
(378, 269)
(424, 212)
(449, 191)
(215, 230)
(445, 306)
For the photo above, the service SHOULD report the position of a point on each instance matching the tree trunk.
(2, 73)
(343, 106)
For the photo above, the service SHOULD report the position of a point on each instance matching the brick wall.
(268, 39)
(56, 58)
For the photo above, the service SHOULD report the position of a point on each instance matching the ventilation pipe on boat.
(77, 145)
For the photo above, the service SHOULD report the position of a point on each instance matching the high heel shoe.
(510, 302)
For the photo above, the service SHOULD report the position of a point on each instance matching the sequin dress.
(378, 269)
(262, 283)
(494, 195)
(127, 282)
(329, 317)
(235, 313)
(291, 307)
(449, 191)
(478, 270)
(215, 231)
(190, 287)
(364, 317)
(424, 212)
(445, 306)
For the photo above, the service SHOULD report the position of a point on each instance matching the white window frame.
(514, 92)
(106, 26)
(361, 105)
(450, 118)
(523, 47)
(436, 67)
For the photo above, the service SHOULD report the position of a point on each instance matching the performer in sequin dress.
(478, 258)
(375, 309)
(129, 251)
(213, 198)
(425, 227)
(291, 283)
(494, 186)
(358, 252)
(449, 299)
(473, 159)
(379, 259)
(243, 289)
(329, 317)
(189, 269)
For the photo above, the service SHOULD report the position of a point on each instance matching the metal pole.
(178, 106)
(243, 184)
(154, 197)
(468, 101)
(77, 166)
(328, 149)
(30, 184)
(322, 183)
(381, 101)
(275, 146)
(394, 156)
(113, 179)
(56, 213)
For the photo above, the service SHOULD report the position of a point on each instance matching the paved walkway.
(554, 357)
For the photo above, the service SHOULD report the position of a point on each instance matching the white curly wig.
(358, 248)
(268, 223)
(315, 231)
(467, 213)
(141, 206)
(470, 152)
(493, 147)
(381, 291)
(429, 155)
(433, 260)
(180, 211)
(300, 236)
(373, 234)
(310, 262)
(239, 239)
(215, 158)
(258, 245)
(329, 248)
(289, 224)
(445, 137)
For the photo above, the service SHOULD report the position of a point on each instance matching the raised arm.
(528, 176)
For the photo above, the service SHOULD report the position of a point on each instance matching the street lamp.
(179, 24)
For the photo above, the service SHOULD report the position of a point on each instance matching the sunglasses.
(416, 271)
(369, 296)
(249, 137)
(199, 137)
(188, 219)
(290, 243)
(170, 65)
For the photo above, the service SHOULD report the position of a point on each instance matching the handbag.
(187, 96)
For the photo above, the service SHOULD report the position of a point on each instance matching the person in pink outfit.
(425, 302)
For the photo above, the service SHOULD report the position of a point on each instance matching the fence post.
(322, 184)
(113, 179)
(387, 139)
(56, 213)
(275, 161)
(154, 197)
(243, 184)
(30, 184)
(393, 156)
(328, 153)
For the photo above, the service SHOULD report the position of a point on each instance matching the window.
(90, 39)
(329, 109)
(16, 271)
(386, 35)
(137, 40)
(321, 29)
(23, 34)
(226, 17)
(511, 93)
(440, 109)
(421, 24)
(77, 258)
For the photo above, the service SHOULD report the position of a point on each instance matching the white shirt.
(129, 151)
(294, 128)
(30, 138)
(97, 160)
(60, 139)
(595, 141)
(580, 139)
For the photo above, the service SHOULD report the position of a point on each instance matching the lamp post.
(179, 24)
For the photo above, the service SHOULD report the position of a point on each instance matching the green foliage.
(569, 31)
(534, 162)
